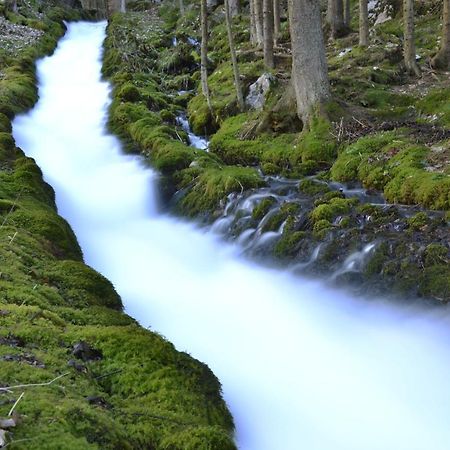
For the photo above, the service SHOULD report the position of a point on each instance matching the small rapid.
(303, 366)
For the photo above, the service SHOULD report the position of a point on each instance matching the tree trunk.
(409, 51)
(253, 37)
(347, 14)
(123, 6)
(276, 21)
(335, 17)
(258, 9)
(442, 58)
(309, 65)
(233, 7)
(237, 79)
(181, 3)
(363, 23)
(268, 34)
(204, 53)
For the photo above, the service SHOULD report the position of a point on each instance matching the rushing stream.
(302, 366)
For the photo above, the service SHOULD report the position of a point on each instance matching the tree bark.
(253, 37)
(363, 23)
(409, 51)
(309, 65)
(181, 4)
(276, 21)
(237, 79)
(347, 14)
(268, 34)
(123, 6)
(442, 58)
(335, 17)
(204, 53)
(258, 9)
(233, 6)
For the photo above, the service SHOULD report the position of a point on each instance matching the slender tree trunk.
(363, 23)
(409, 51)
(258, 8)
(347, 14)
(268, 34)
(335, 17)
(309, 65)
(233, 7)
(181, 5)
(442, 58)
(237, 79)
(276, 21)
(253, 37)
(123, 6)
(204, 53)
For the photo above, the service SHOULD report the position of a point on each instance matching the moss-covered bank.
(117, 385)
(386, 137)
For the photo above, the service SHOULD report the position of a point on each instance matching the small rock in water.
(258, 90)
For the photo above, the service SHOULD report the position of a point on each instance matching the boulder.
(257, 93)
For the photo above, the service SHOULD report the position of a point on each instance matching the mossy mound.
(392, 163)
(214, 184)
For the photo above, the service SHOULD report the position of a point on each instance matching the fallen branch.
(15, 404)
(17, 386)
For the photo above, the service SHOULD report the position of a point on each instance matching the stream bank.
(117, 384)
(326, 206)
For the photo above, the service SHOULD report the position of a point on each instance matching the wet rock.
(82, 350)
(258, 91)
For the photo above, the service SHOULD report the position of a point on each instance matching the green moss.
(418, 221)
(349, 160)
(321, 228)
(81, 286)
(436, 103)
(377, 260)
(329, 211)
(435, 282)
(199, 438)
(389, 162)
(213, 185)
(262, 208)
(129, 93)
(141, 392)
(436, 254)
(312, 187)
(223, 96)
(317, 143)
(287, 246)
(5, 124)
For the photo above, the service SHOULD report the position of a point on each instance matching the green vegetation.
(129, 387)
(382, 130)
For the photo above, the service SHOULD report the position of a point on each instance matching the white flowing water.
(302, 367)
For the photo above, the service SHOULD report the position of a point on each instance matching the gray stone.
(258, 91)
